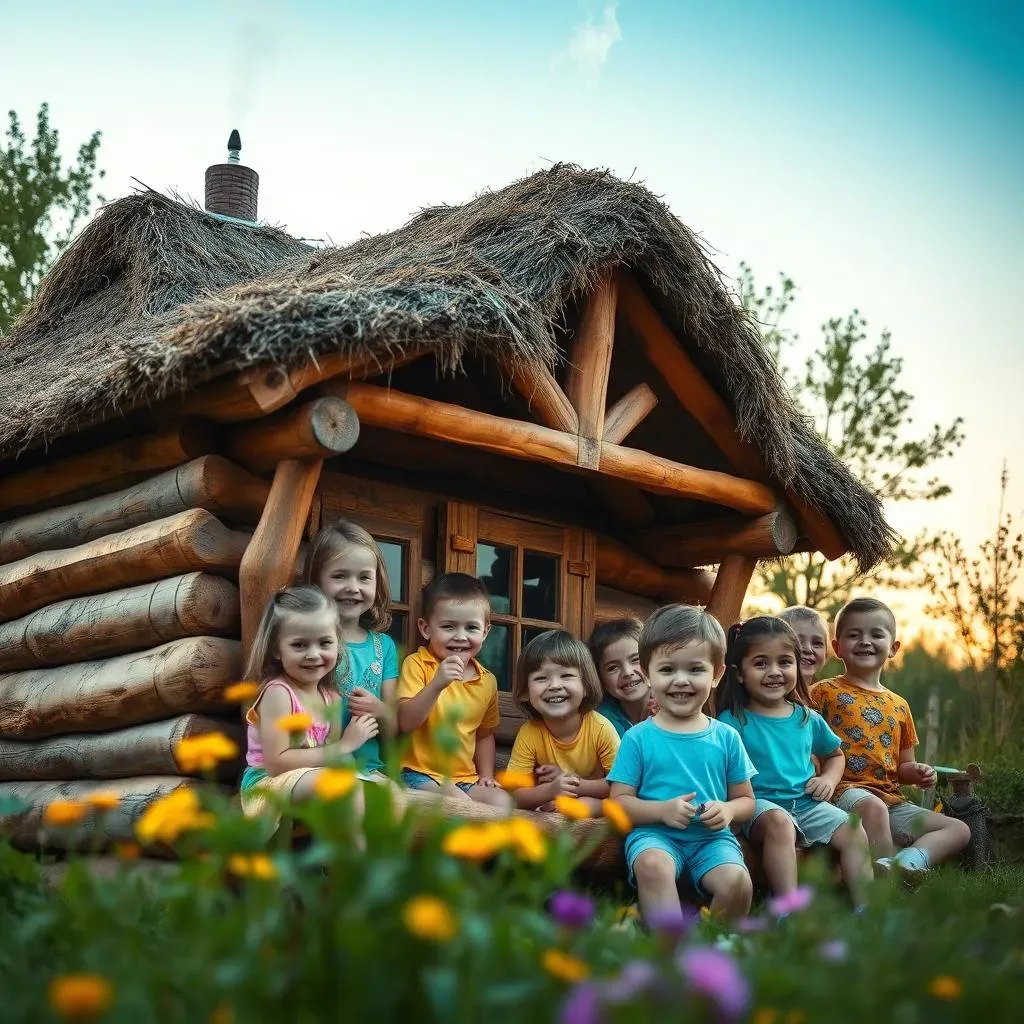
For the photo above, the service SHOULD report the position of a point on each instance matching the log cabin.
(549, 387)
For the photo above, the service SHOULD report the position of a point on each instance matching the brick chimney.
(232, 189)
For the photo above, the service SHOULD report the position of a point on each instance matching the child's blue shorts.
(694, 858)
(420, 780)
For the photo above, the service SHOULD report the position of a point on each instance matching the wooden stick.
(628, 413)
(317, 430)
(547, 400)
(269, 561)
(119, 621)
(689, 544)
(411, 414)
(726, 601)
(209, 482)
(188, 541)
(136, 750)
(114, 464)
(93, 696)
(620, 567)
(591, 359)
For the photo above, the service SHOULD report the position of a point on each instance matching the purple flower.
(749, 925)
(636, 977)
(714, 974)
(582, 1005)
(792, 902)
(571, 909)
(672, 921)
(835, 950)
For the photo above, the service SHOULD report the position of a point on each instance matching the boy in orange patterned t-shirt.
(878, 738)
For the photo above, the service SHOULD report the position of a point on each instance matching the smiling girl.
(615, 648)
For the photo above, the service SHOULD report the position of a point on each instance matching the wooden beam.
(136, 750)
(628, 505)
(261, 390)
(707, 407)
(726, 601)
(209, 482)
(317, 430)
(117, 462)
(94, 696)
(687, 544)
(622, 568)
(192, 540)
(629, 412)
(411, 414)
(546, 399)
(119, 621)
(611, 603)
(591, 359)
(269, 561)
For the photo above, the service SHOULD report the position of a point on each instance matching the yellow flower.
(297, 721)
(631, 913)
(473, 842)
(103, 800)
(127, 851)
(64, 813)
(515, 780)
(429, 918)
(167, 818)
(616, 814)
(222, 1013)
(765, 1015)
(204, 753)
(258, 865)
(794, 1017)
(334, 783)
(706, 913)
(241, 693)
(80, 996)
(945, 987)
(527, 838)
(572, 807)
(564, 967)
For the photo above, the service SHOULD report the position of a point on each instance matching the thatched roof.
(155, 297)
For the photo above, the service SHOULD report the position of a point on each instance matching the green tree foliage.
(852, 390)
(42, 204)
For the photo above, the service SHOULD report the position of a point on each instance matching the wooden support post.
(317, 430)
(931, 743)
(546, 399)
(726, 601)
(112, 465)
(687, 544)
(628, 413)
(620, 567)
(269, 560)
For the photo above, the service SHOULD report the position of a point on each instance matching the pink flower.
(582, 1005)
(674, 922)
(636, 977)
(749, 925)
(714, 975)
(571, 909)
(793, 902)
(835, 950)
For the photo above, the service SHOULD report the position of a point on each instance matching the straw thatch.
(155, 297)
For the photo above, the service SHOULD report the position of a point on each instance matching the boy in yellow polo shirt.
(444, 677)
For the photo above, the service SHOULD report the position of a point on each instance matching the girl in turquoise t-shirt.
(346, 564)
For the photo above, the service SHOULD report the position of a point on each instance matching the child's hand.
(678, 813)
(449, 671)
(715, 815)
(569, 785)
(914, 773)
(546, 773)
(359, 730)
(819, 788)
(487, 782)
(653, 707)
(362, 702)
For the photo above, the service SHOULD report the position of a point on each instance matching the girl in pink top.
(295, 653)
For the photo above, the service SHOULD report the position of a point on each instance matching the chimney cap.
(234, 140)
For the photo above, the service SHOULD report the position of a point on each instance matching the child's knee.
(654, 868)
(873, 813)
(959, 832)
(730, 885)
(847, 836)
(777, 828)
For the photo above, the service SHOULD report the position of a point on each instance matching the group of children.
(787, 762)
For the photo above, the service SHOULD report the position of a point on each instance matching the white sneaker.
(884, 866)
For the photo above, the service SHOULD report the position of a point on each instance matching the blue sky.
(873, 151)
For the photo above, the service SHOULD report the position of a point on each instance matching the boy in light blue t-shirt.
(682, 777)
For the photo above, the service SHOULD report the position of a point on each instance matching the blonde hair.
(802, 613)
(676, 625)
(335, 540)
(263, 663)
(563, 649)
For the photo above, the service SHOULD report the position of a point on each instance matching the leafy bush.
(442, 922)
(1002, 786)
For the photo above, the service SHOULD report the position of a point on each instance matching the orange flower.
(564, 967)
(128, 851)
(429, 918)
(572, 807)
(167, 818)
(64, 813)
(241, 693)
(616, 814)
(103, 800)
(765, 1015)
(222, 1013)
(204, 753)
(473, 842)
(80, 996)
(255, 865)
(334, 783)
(297, 722)
(946, 987)
(515, 780)
(528, 839)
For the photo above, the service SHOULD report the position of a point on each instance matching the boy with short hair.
(878, 738)
(443, 683)
(684, 778)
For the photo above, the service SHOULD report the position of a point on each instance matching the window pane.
(394, 555)
(494, 569)
(496, 654)
(540, 586)
(398, 633)
(529, 632)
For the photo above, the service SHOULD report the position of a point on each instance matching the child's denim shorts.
(694, 858)
(413, 779)
(816, 821)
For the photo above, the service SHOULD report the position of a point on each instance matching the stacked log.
(119, 625)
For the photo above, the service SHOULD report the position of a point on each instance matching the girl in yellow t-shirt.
(565, 744)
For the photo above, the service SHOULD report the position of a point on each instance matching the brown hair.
(607, 633)
(334, 540)
(676, 625)
(455, 586)
(563, 649)
(263, 663)
(865, 604)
